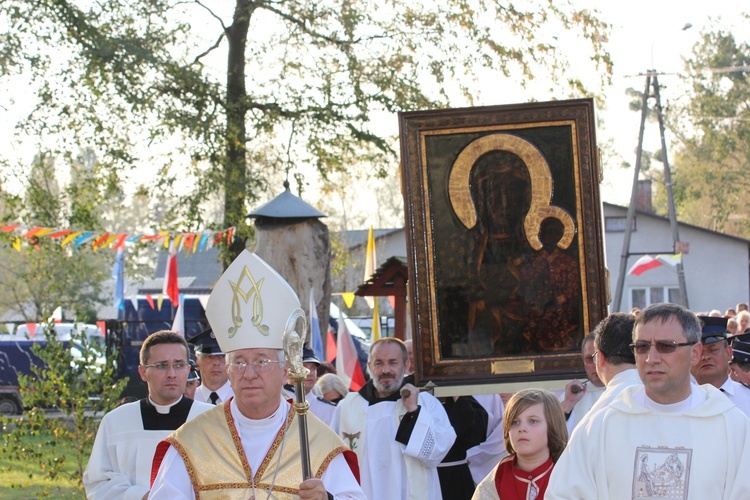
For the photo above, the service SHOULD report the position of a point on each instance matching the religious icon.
(505, 243)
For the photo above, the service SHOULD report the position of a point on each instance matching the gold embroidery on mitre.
(254, 292)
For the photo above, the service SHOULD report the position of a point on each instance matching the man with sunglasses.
(249, 446)
(120, 462)
(667, 438)
(713, 367)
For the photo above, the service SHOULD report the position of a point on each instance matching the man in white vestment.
(669, 438)
(578, 397)
(399, 434)
(120, 463)
(249, 446)
(319, 406)
(713, 367)
(615, 361)
(209, 357)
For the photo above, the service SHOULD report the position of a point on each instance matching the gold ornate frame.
(483, 187)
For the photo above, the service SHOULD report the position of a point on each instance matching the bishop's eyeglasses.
(260, 366)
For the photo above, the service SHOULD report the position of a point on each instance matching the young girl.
(535, 436)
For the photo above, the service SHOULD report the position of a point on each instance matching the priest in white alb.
(120, 463)
(399, 439)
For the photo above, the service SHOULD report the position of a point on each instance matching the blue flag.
(118, 274)
(317, 341)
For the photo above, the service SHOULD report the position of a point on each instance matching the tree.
(238, 90)
(37, 274)
(711, 182)
(77, 387)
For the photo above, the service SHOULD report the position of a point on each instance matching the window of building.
(616, 224)
(645, 296)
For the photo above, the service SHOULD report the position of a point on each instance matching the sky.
(646, 34)
(649, 34)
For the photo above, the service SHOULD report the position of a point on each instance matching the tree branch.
(210, 49)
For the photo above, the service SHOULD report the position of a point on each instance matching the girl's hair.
(557, 432)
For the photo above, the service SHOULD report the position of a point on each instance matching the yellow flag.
(375, 335)
(70, 238)
(370, 263)
(348, 298)
(17, 245)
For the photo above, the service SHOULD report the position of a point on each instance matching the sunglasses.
(662, 346)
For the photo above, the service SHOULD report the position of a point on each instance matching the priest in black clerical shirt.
(120, 462)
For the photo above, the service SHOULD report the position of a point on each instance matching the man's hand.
(312, 489)
(412, 400)
(571, 398)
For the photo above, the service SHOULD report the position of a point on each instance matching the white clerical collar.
(163, 409)
(273, 420)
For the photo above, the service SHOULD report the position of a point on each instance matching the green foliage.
(712, 161)
(21, 478)
(240, 91)
(63, 398)
(38, 274)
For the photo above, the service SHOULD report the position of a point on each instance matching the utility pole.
(652, 81)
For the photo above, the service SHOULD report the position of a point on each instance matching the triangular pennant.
(150, 300)
(70, 237)
(348, 299)
(99, 241)
(102, 327)
(32, 329)
(60, 234)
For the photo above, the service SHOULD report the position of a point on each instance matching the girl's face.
(528, 432)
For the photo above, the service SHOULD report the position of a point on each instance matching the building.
(717, 273)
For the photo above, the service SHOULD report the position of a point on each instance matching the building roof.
(641, 213)
(287, 206)
(358, 237)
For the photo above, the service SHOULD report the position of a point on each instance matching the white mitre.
(250, 305)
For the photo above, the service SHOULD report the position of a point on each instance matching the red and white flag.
(171, 289)
(347, 363)
(647, 262)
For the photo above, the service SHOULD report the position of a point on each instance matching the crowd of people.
(663, 413)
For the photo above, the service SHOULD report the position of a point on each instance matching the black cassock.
(469, 420)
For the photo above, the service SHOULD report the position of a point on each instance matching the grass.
(23, 479)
